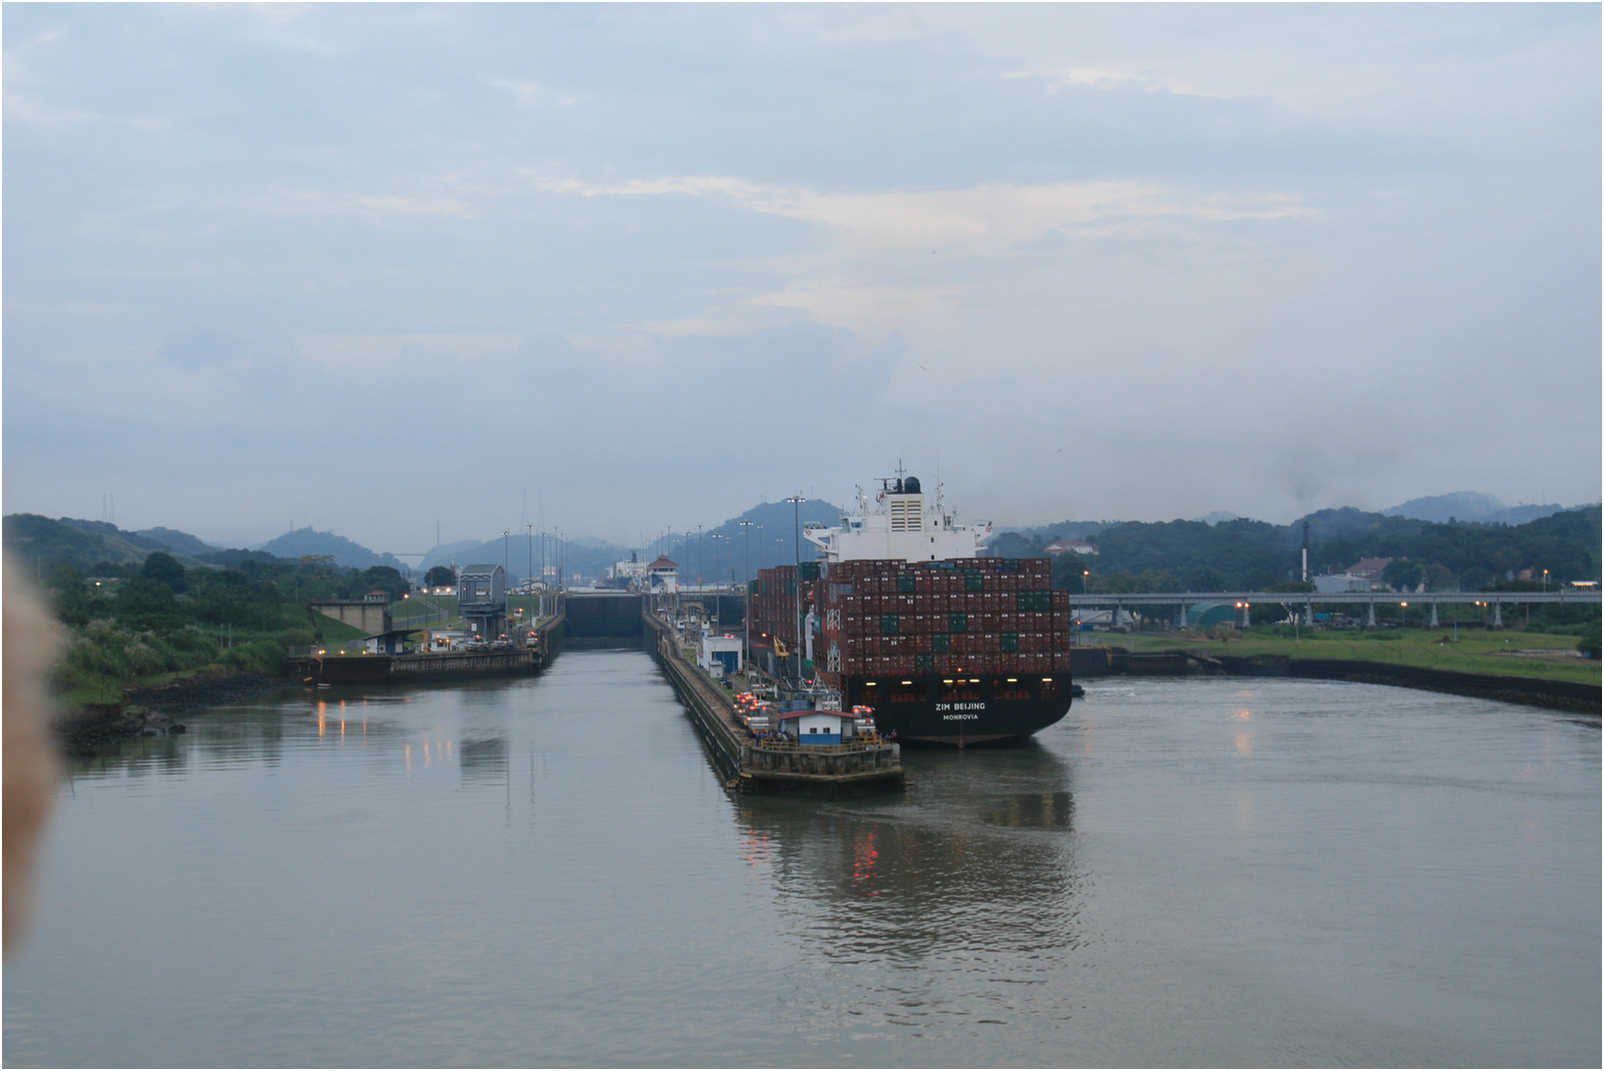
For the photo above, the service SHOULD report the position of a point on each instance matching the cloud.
(313, 202)
(1132, 78)
(28, 108)
(985, 218)
(427, 354)
(533, 96)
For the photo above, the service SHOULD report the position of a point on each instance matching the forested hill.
(304, 542)
(1246, 554)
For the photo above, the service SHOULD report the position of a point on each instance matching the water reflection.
(977, 859)
(483, 761)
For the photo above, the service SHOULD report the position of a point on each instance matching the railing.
(868, 742)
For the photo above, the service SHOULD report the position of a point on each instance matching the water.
(549, 872)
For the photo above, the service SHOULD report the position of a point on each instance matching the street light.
(796, 543)
(746, 590)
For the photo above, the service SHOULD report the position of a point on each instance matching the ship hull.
(942, 712)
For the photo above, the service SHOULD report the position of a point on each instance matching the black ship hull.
(961, 712)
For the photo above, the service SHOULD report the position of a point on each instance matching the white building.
(720, 655)
(1336, 583)
(1069, 546)
(818, 726)
(630, 570)
(663, 575)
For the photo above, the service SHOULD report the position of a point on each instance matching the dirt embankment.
(90, 730)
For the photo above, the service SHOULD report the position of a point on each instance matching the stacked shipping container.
(774, 601)
(889, 617)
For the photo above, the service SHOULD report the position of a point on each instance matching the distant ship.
(903, 615)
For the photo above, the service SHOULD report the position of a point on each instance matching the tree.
(378, 578)
(143, 603)
(439, 576)
(1403, 574)
(163, 568)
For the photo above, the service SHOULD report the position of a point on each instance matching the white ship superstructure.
(901, 524)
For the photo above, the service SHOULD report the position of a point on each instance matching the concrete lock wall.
(603, 615)
(371, 617)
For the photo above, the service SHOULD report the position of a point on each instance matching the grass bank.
(104, 659)
(1508, 653)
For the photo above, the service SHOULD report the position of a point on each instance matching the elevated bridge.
(1495, 601)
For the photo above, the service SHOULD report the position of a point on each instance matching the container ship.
(901, 613)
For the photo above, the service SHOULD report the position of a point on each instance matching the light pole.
(796, 544)
(746, 591)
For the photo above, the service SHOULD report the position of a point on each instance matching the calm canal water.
(549, 871)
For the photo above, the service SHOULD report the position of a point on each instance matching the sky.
(393, 271)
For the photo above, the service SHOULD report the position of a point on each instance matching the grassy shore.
(1506, 653)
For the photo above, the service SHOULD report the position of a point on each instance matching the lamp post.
(530, 547)
(796, 544)
(746, 591)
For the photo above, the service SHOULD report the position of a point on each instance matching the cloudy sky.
(376, 268)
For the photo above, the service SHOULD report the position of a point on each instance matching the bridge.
(1495, 600)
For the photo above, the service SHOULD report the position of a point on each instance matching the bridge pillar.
(1498, 615)
(1308, 615)
(1433, 613)
(1370, 616)
(1180, 618)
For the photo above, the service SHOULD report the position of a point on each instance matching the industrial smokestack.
(1305, 552)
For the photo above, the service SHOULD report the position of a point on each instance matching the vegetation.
(130, 625)
(1245, 555)
(1547, 655)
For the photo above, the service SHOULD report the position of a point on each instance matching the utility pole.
(746, 592)
(796, 544)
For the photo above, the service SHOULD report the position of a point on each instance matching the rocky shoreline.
(93, 729)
